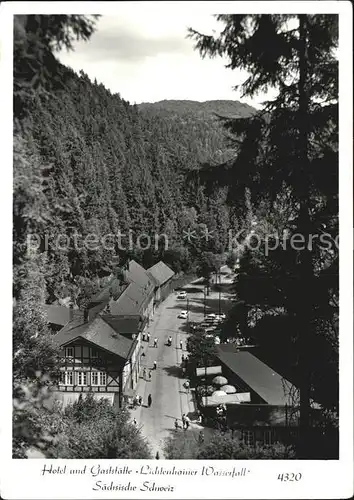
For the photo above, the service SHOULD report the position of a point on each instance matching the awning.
(229, 399)
(210, 370)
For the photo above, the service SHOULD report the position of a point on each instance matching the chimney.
(86, 315)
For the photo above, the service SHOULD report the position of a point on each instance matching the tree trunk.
(304, 309)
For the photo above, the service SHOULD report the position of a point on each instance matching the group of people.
(186, 421)
(146, 338)
(138, 401)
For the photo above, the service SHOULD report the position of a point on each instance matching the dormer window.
(69, 352)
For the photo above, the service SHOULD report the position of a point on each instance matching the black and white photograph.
(175, 241)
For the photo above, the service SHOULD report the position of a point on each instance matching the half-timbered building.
(101, 356)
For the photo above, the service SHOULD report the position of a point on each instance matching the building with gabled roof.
(100, 355)
(135, 273)
(252, 375)
(131, 293)
(162, 275)
(272, 414)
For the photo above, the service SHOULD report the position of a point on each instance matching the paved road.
(169, 398)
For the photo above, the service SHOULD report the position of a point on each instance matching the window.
(66, 378)
(248, 437)
(94, 378)
(267, 439)
(103, 379)
(94, 353)
(69, 352)
(81, 378)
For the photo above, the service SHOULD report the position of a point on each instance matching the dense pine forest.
(87, 162)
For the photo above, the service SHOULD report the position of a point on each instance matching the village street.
(169, 397)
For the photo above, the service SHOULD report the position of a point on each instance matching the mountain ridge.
(231, 108)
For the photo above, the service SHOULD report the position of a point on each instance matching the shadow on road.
(174, 418)
(213, 304)
(179, 305)
(192, 306)
(173, 371)
(190, 289)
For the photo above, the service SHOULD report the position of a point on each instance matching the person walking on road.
(186, 385)
(184, 420)
(135, 422)
(187, 423)
(140, 400)
(148, 337)
(181, 344)
(144, 374)
(155, 365)
(150, 375)
(176, 424)
(149, 400)
(155, 342)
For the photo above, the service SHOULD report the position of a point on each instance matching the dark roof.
(161, 272)
(131, 293)
(59, 315)
(114, 287)
(127, 325)
(132, 301)
(138, 275)
(99, 332)
(267, 383)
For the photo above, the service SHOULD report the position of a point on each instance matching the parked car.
(220, 317)
(181, 295)
(183, 315)
(210, 316)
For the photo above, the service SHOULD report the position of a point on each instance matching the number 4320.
(289, 476)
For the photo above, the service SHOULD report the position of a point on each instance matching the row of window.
(83, 378)
(69, 352)
(248, 437)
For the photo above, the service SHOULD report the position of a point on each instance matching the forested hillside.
(88, 164)
(105, 166)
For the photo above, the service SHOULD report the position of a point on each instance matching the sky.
(145, 57)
